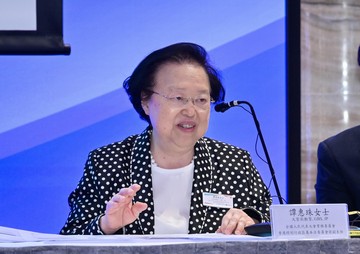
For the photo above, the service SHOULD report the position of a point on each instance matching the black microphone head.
(221, 107)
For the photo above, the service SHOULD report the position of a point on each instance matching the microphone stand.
(272, 171)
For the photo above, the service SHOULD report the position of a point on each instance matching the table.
(140, 245)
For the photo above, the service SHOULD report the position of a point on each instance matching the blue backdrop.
(55, 109)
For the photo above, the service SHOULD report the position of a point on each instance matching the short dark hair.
(141, 80)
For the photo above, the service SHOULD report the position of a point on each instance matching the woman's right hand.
(120, 211)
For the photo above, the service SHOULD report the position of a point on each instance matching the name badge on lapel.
(218, 200)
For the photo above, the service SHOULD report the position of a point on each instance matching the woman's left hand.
(234, 222)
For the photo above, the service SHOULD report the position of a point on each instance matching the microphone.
(222, 107)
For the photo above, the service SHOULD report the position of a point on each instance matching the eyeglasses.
(202, 102)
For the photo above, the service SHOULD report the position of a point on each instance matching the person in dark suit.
(338, 169)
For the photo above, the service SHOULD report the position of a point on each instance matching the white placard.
(309, 221)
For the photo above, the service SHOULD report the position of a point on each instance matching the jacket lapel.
(141, 174)
(202, 182)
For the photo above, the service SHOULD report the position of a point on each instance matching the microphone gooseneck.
(222, 107)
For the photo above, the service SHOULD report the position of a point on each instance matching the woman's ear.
(145, 106)
(145, 103)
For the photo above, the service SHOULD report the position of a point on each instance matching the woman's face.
(176, 125)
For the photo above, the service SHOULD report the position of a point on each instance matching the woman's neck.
(169, 156)
(172, 160)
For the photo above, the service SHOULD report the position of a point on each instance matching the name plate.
(309, 221)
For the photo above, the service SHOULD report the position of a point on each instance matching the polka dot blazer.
(219, 168)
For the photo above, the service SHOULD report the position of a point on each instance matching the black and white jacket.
(219, 168)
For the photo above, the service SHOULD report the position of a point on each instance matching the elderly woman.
(170, 178)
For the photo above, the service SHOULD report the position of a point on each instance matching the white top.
(172, 196)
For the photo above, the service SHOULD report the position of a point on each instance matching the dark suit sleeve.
(330, 184)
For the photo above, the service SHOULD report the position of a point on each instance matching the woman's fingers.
(120, 210)
(234, 222)
(138, 207)
(130, 191)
